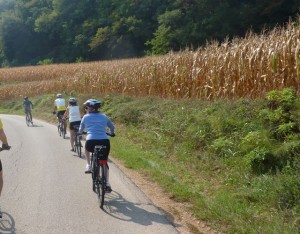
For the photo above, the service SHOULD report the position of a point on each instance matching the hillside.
(235, 164)
(217, 128)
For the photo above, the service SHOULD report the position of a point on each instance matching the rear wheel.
(63, 130)
(78, 145)
(101, 186)
(59, 127)
(27, 120)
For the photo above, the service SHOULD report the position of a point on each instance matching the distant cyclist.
(60, 106)
(95, 124)
(5, 146)
(74, 118)
(28, 106)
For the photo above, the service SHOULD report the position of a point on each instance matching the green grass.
(207, 154)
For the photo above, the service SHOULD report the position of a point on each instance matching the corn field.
(243, 67)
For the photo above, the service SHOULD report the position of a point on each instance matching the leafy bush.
(261, 160)
(289, 154)
(280, 114)
(284, 130)
(284, 98)
(222, 147)
(45, 62)
(255, 139)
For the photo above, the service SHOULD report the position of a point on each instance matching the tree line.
(64, 31)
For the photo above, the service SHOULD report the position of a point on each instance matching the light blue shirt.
(95, 125)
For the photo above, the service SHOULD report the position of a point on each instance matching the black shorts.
(60, 113)
(0, 166)
(72, 124)
(90, 145)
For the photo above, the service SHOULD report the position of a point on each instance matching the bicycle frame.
(61, 126)
(77, 141)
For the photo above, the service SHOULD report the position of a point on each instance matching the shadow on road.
(7, 224)
(36, 126)
(118, 207)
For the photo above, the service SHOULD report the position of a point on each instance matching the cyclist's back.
(27, 104)
(60, 105)
(95, 124)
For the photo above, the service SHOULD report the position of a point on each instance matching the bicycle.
(61, 127)
(99, 168)
(28, 119)
(77, 141)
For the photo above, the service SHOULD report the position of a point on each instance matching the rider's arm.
(3, 137)
(82, 126)
(111, 126)
(55, 107)
(66, 113)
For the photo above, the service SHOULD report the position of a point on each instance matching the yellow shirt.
(1, 125)
(60, 103)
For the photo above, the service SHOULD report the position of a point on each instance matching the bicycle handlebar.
(108, 133)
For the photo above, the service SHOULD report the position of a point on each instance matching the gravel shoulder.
(177, 213)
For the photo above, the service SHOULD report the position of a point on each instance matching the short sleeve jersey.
(60, 103)
(74, 113)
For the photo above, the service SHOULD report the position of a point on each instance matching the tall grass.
(243, 67)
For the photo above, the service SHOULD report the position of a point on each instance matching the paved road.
(46, 190)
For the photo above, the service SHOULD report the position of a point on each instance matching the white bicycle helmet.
(59, 95)
(92, 103)
(72, 100)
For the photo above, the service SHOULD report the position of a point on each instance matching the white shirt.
(74, 113)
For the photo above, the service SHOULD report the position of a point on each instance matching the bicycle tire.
(92, 167)
(59, 127)
(101, 181)
(63, 130)
(27, 120)
(78, 146)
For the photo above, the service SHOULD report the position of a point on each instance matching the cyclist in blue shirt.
(28, 106)
(95, 123)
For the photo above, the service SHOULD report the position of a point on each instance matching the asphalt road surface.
(46, 191)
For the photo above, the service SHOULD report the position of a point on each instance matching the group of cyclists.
(93, 123)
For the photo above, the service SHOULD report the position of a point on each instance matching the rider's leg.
(72, 138)
(1, 178)
(65, 123)
(3, 136)
(106, 173)
(88, 163)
